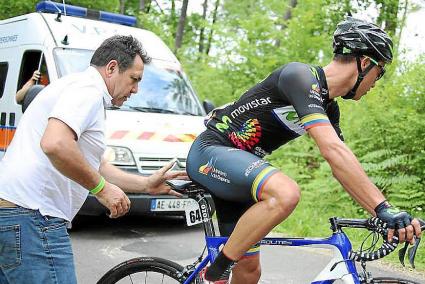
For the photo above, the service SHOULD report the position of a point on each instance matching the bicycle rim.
(147, 270)
(392, 280)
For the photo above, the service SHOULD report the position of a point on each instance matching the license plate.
(164, 205)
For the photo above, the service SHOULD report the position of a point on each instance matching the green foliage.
(104, 5)
(11, 9)
(395, 118)
(15, 8)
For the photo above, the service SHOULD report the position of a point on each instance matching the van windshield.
(161, 90)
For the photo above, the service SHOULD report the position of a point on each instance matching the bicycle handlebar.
(376, 225)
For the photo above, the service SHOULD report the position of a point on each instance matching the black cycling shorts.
(235, 178)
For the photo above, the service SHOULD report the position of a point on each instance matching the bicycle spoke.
(146, 277)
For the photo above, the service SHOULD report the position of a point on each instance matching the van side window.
(4, 66)
(33, 60)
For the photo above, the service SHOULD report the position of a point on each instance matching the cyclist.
(251, 196)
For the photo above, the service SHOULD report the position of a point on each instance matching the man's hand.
(400, 221)
(156, 182)
(36, 76)
(113, 198)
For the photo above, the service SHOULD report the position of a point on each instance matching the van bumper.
(140, 205)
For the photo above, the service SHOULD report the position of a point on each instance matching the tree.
(287, 16)
(201, 32)
(122, 6)
(180, 28)
(214, 19)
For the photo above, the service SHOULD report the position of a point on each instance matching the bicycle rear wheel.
(144, 270)
(392, 280)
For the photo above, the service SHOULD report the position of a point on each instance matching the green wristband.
(98, 187)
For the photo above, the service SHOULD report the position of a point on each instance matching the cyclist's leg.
(248, 269)
(240, 176)
(276, 200)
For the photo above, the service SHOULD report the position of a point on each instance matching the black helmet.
(358, 37)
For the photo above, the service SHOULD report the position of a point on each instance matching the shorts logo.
(206, 169)
(254, 165)
(209, 170)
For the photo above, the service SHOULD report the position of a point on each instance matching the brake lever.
(412, 252)
(402, 253)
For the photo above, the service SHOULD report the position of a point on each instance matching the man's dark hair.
(120, 48)
(344, 58)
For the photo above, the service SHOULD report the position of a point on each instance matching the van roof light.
(71, 10)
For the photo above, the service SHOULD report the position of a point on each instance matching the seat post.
(207, 223)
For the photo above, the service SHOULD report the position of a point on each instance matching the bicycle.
(342, 265)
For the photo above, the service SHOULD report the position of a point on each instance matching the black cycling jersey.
(227, 157)
(280, 108)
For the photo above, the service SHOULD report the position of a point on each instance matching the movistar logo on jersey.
(224, 125)
(250, 105)
(289, 118)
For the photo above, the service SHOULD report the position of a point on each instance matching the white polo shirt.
(27, 178)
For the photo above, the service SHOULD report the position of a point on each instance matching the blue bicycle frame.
(340, 266)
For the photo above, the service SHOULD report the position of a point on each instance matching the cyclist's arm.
(346, 168)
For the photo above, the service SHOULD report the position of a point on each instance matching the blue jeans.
(34, 249)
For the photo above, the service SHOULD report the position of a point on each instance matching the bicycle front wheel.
(144, 270)
(391, 280)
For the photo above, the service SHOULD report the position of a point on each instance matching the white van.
(151, 128)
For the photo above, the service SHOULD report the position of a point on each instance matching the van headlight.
(119, 156)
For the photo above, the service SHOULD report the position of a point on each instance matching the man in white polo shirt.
(55, 159)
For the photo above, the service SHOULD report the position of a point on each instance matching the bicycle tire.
(160, 271)
(391, 280)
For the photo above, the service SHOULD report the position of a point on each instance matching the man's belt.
(7, 204)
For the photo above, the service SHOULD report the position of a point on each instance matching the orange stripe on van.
(6, 135)
(118, 134)
(146, 135)
(152, 136)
